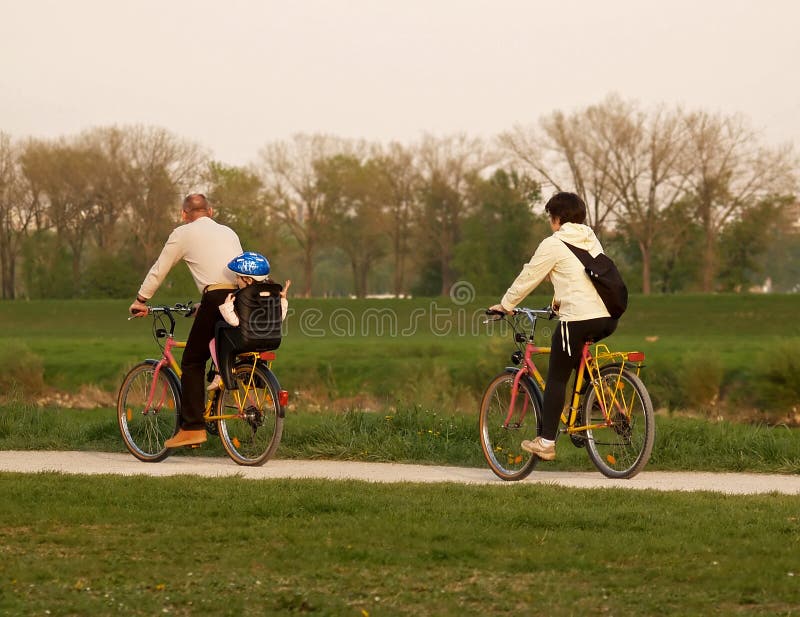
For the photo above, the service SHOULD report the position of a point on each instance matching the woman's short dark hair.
(567, 207)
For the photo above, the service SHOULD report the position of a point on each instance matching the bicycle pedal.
(193, 446)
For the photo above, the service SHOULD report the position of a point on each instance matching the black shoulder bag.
(605, 277)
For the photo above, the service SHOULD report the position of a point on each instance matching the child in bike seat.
(250, 268)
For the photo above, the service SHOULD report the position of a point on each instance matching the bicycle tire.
(145, 429)
(622, 449)
(501, 440)
(253, 435)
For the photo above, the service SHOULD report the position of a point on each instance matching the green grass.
(74, 545)
(190, 546)
(435, 352)
(104, 546)
(423, 435)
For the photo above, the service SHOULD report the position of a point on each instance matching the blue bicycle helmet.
(251, 264)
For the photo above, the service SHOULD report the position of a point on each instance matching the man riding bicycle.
(207, 247)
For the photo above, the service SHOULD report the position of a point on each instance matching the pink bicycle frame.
(166, 359)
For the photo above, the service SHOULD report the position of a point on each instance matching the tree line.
(683, 200)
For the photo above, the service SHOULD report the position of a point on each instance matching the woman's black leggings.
(565, 357)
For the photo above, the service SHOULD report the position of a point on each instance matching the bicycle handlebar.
(542, 312)
(531, 314)
(187, 309)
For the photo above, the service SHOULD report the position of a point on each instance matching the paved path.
(125, 464)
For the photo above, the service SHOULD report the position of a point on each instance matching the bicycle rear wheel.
(622, 447)
(252, 422)
(503, 428)
(148, 411)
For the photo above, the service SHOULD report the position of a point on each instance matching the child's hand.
(286, 287)
(228, 312)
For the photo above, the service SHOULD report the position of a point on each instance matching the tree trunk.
(8, 272)
(709, 262)
(308, 269)
(76, 271)
(360, 272)
(645, 251)
(399, 267)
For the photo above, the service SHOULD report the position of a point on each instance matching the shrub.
(23, 370)
(777, 385)
(110, 276)
(700, 380)
(663, 385)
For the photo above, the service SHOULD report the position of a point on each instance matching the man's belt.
(216, 286)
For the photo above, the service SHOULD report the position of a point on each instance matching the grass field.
(715, 354)
(422, 436)
(188, 546)
(74, 545)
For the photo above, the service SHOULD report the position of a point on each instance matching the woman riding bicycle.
(580, 309)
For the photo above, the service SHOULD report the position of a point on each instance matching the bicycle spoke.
(250, 424)
(147, 412)
(504, 425)
(620, 440)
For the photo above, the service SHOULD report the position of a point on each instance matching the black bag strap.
(582, 254)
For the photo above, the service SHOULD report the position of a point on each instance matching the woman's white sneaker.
(543, 451)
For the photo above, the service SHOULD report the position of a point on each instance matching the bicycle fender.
(271, 376)
(534, 387)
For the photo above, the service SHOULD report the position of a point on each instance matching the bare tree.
(640, 154)
(65, 176)
(112, 193)
(559, 154)
(161, 166)
(398, 167)
(446, 165)
(726, 170)
(289, 170)
(17, 214)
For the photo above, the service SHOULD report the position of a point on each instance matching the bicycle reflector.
(283, 397)
(267, 355)
(636, 356)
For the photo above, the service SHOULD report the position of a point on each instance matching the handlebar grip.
(495, 312)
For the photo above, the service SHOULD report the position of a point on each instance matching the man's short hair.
(195, 202)
(568, 207)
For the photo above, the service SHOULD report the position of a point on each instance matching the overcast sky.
(234, 74)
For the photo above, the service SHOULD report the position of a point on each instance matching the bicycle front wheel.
(251, 421)
(503, 426)
(622, 441)
(147, 411)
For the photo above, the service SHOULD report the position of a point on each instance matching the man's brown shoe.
(546, 453)
(186, 438)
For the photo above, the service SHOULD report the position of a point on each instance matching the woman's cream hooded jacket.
(575, 296)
